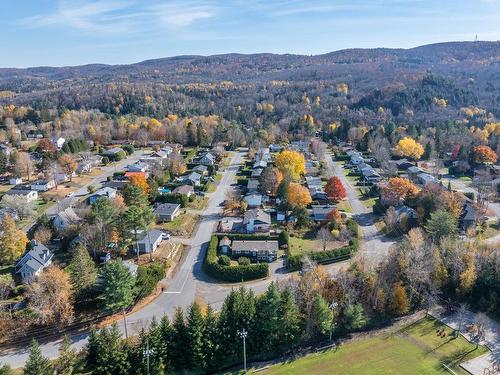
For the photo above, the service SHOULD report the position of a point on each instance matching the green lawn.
(465, 179)
(182, 225)
(344, 206)
(369, 202)
(417, 349)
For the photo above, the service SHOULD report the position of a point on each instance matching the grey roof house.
(149, 242)
(167, 211)
(34, 261)
(321, 212)
(266, 251)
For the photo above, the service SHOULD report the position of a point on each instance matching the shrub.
(129, 149)
(224, 260)
(105, 160)
(244, 261)
(231, 273)
(148, 276)
(283, 238)
(182, 199)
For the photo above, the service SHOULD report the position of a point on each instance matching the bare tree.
(325, 236)
(18, 204)
(24, 165)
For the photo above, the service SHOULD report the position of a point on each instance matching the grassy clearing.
(344, 206)
(199, 203)
(368, 202)
(465, 179)
(182, 225)
(416, 349)
(299, 245)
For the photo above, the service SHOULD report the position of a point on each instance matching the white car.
(165, 236)
(71, 194)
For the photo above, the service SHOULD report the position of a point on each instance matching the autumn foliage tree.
(398, 303)
(334, 189)
(50, 297)
(68, 164)
(484, 155)
(397, 190)
(291, 163)
(12, 241)
(141, 182)
(410, 148)
(298, 195)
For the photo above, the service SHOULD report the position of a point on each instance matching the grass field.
(182, 225)
(416, 349)
(299, 245)
(344, 206)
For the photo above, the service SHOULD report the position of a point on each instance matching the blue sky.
(72, 32)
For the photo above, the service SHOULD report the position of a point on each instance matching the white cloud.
(182, 14)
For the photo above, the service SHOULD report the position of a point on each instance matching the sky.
(76, 32)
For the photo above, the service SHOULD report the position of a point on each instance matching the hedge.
(244, 236)
(148, 276)
(294, 262)
(231, 273)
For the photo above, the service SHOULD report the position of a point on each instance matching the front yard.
(183, 225)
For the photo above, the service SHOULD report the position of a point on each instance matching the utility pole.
(125, 323)
(243, 334)
(332, 307)
(146, 353)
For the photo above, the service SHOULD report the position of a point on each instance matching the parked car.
(166, 236)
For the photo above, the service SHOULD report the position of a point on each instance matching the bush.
(244, 261)
(231, 273)
(105, 160)
(182, 199)
(283, 238)
(224, 260)
(148, 276)
(129, 149)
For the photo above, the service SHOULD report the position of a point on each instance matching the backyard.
(415, 349)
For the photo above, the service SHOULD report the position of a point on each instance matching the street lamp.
(147, 353)
(243, 334)
(332, 307)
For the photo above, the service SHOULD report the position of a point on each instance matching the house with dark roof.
(167, 211)
(253, 199)
(253, 185)
(105, 192)
(469, 217)
(257, 220)
(65, 219)
(321, 212)
(266, 251)
(206, 159)
(25, 192)
(34, 261)
(43, 185)
(192, 179)
(149, 241)
(201, 169)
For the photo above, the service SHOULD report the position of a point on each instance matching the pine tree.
(353, 317)
(180, 342)
(266, 319)
(66, 363)
(82, 271)
(6, 370)
(321, 316)
(289, 320)
(118, 286)
(195, 334)
(211, 339)
(111, 353)
(37, 364)
(166, 333)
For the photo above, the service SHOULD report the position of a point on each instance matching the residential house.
(403, 164)
(257, 220)
(425, 179)
(469, 217)
(167, 211)
(230, 224)
(150, 241)
(256, 173)
(65, 219)
(206, 159)
(61, 177)
(105, 192)
(34, 261)
(28, 194)
(408, 214)
(159, 157)
(301, 146)
(253, 185)
(58, 142)
(225, 245)
(15, 181)
(201, 169)
(266, 251)
(192, 179)
(253, 200)
(263, 154)
(322, 212)
(184, 190)
(260, 164)
(138, 167)
(275, 148)
(128, 175)
(112, 152)
(8, 211)
(5, 149)
(43, 185)
(413, 172)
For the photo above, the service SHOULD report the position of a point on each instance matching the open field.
(299, 245)
(344, 206)
(415, 349)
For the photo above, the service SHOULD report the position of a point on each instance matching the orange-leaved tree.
(68, 164)
(410, 148)
(334, 189)
(298, 195)
(141, 182)
(291, 163)
(397, 190)
(484, 155)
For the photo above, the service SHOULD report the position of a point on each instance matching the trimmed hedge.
(294, 262)
(231, 273)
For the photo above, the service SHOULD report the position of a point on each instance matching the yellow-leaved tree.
(410, 148)
(298, 195)
(12, 241)
(291, 163)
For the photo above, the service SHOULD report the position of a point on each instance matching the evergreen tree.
(428, 151)
(3, 163)
(118, 286)
(321, 316)
(353, 317)
(66, 363)
(6, 370)
(37, 364)
(166, 333)
(289, 320)
(107, 353)
(133, 195)
(82, 272)
(267, 318)
(210, 339)
(180, 342)
(195, 334)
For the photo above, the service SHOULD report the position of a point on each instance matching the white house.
(257, 220)
(65, 219)
(34, 261)
(43, 185)
(150, 241)
(28, 194)
(58, 142)
(105, 192)
(15, 181)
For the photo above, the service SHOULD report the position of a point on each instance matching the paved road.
(493, 208)
(374, 246)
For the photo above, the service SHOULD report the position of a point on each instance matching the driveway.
(374, 246)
